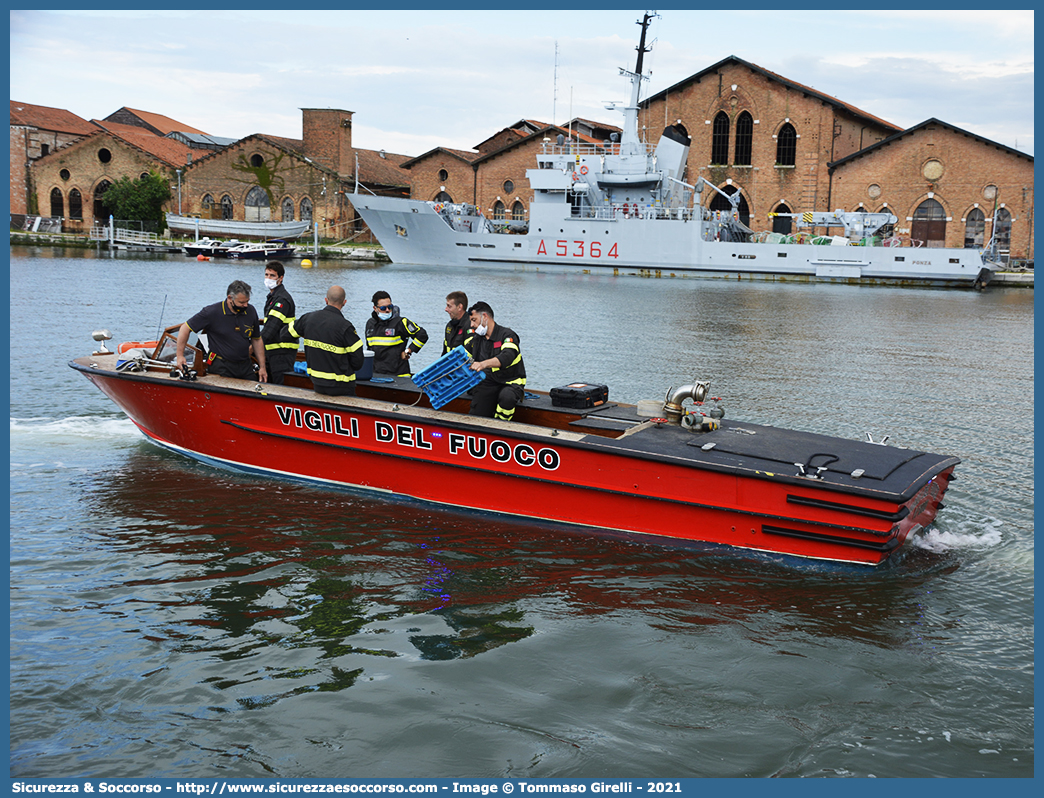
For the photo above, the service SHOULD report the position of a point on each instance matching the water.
(168, 619)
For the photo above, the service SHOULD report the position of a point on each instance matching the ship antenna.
(641, 48)
(163, 308)
(554, 96)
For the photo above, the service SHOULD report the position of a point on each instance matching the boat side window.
(720, 139)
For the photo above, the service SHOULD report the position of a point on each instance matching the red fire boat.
(677, 478)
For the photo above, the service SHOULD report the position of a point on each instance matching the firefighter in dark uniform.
(280, 351)
(496, 351)
(392, 337)
(333, 348)
(458, 328)
(232, 332)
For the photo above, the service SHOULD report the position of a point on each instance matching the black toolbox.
(580, 395)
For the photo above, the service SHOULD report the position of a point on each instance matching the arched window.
(443, 197)
(720, 139)
(75, 204)
(101, 210)
(1003, 233)
(208, 202)
(226, 207)
(518, 212)
(782, 224)
(498, 210)
(719, 203)
(975, 229)
(786, 146)
(306, 209)
(57, 203)
(443, 174)
(288, 209)
(888, 230)
(258, 207)
(744, 139)
(929, 224)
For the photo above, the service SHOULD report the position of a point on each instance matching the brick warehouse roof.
(829, 100)
(46, 118)
(170, 151)
(159, 122)
(933, 121)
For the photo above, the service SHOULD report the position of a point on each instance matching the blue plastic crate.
(448, 377)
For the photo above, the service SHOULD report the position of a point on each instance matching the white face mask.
(384, 316)
(482, 329)
(270, 283)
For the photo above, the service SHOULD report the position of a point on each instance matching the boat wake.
(969, 535)
(80, 427)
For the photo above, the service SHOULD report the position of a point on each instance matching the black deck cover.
(887, 472)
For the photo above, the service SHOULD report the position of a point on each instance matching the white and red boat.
(678, 478)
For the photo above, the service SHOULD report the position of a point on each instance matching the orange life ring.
(127, 345)
(575, 177)
(583, 170)
(634, 209)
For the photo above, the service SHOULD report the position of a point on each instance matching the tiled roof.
(162, 123)
(170, 151)
(384, 170)
(45, 118)
(465, 155)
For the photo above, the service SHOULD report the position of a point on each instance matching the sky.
(419, 79)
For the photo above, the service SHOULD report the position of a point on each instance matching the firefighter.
(280, 351)
(496, 351)
(332, 346)
(458, 329)
(392, 337)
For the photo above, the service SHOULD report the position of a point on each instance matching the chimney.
(328, 138)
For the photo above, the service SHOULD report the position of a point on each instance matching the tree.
(140, 199)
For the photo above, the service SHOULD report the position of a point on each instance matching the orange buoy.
(202, 257)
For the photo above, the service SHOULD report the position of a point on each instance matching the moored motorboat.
(678, 478)
(210, 247)
(264, 250)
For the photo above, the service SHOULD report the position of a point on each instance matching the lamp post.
(179, 191)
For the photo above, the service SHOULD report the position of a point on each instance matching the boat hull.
(412, 232)
(653, 490)
(229, 228)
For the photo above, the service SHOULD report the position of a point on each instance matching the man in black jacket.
(458, 328)
(280, 351)
(332, 346)
(392, 337)
(496, 351)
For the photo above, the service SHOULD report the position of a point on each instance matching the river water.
(169, 619)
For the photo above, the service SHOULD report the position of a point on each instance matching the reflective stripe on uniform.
(337, 350)
(328, 375)
(373, 341)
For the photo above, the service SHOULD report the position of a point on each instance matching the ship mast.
(629, 144)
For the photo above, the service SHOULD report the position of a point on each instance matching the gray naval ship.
(623, 206)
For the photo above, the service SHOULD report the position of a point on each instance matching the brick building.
(37, 130)
(494, 178)
(788, 148)
(70, 182)
(945, 185)
(263, 177)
